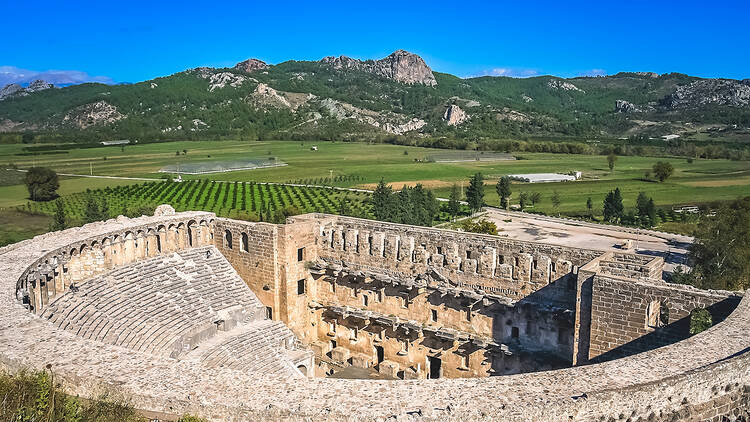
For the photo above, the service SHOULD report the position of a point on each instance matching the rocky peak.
(38, 85)
(454, 116)
(251, 65)
(401, 66)
(11, 90)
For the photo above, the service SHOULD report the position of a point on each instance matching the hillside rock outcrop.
(400, 66)
(622, 106)
(454, 116)
(562, 85)
(725, 92)
(389, 122)
(98, 113)
(251, 65)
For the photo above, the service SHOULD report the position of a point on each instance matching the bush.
(35, 396)
(700, 320)
(481, 226)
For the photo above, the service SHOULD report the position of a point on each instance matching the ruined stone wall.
(251, 248)
(514, 269)
(704, 377)
(271, 259)
(631, 317)
(486, 336)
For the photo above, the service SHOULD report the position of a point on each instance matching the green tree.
(613, 209)
(475, 192)
(344, 208)
(504, 191)
(104, 209)
(382, 202)
(662, 170)
(641, 204)
(404, 213)
(523, 199)
(425, 205)
(721, 251)
(555, 199)
(454, 201)
(536, 198)
(59, 219)
(611, 160)
(91, 210)
(42, 183)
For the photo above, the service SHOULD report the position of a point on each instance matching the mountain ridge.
(398, 95)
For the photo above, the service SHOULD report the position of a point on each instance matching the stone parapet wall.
(630, 317)
(704, 377)
(514, 269)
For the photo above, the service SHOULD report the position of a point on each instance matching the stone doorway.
(380, 353)
(433, 367)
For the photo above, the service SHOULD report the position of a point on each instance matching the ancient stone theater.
(337, 318)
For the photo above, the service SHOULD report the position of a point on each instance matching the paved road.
(673, 248)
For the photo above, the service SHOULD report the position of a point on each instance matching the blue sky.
(134, 41)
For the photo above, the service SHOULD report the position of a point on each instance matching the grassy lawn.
(16, 226)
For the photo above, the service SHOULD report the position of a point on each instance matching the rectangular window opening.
(301, 287)
(300, 254)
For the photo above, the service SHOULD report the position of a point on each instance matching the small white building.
(544, 177)
(120, 142)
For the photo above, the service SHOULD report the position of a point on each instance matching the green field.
(362, 165)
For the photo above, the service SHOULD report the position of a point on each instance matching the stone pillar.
(487, 262)
(59, 279)
(351, 240)
(406, 248)
(35, 296)
(392, 246)
(364, 242)
(452, 259)
(522, 270)
(378, 244)
(541, 274)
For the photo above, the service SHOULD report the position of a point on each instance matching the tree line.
(411, 205)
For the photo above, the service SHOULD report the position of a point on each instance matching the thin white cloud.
(511, 72)
(594, 72)
(12, 74)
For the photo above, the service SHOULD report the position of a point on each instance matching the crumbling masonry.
(234, 320)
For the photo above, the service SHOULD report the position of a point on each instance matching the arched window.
(228, 239)
(244, 246)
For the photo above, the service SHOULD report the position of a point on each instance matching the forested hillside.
(397, 98)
